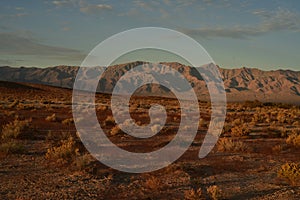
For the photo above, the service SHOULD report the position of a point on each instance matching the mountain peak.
(241, 84)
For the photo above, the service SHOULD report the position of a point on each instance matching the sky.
(236, 33)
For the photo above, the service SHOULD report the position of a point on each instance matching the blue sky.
(252, 33)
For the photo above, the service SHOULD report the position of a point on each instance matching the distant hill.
(241, 84)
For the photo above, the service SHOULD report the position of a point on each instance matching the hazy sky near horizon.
(236, 33)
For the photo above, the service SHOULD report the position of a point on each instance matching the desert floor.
(41, 156)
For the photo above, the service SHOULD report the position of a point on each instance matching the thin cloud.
(61, 3)
(83, 6)
(93, 9)
(13, 44)
(235, 32)
(19, 8)
(280, 20)
(15, 15)
(150, 5)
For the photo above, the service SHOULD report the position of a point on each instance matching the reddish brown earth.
(250, 174)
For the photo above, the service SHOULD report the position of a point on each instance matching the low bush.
(65, 153)
(278, 148)
(68, 121)
(14, 129)
(109, 121)
(152, 183)
(81, 162)
(14, 104)
(229, 145)
(115, 130)
(240, 130)
(51, 118)
(290, 172)
(294, 139)
(11, 146)
(214, 192)
(193, 194)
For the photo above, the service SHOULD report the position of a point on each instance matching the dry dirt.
(250, 174)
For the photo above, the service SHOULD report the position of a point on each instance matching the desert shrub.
(102, 108)
(214, 192)
(273, 124)
(68, 121)
(82, 161)
(278, 148)
(65, 153)
(109, 121)
(226, 128)
(229, 145)
(281, 117)
(13, 129)
(51, 118)
(155, 128)
(290, 172)
(152, 183)
(27, 106)
(202, 122)
(115, 130)
(283, 132)
(193, 194)
(13, 104)
(241, 130)
(293, 139)
(296, 123)
(54, 137)
(237, 122)
(107, 180)
(11, 146)
(10, 132)
(9, 113)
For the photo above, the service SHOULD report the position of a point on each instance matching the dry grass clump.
(115, 130)
(102, 108)
(65, 152)
(9, 135)
(152, 183)
(109, 121)
(68, 121)
(290, 172)
(214, 192)
(53, 137)
(9, 113)
(240, 130)
(13, 104)
(278, 148)
(13, 129)
(296, 123)
(155, 128)
(229, 145)
(202, 122)
(193, 194)
(281, 117)
(294, 139)
(81, 162)
(107, 180)
(11, 146)
(51, 118)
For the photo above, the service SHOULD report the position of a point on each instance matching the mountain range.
(240, 84)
